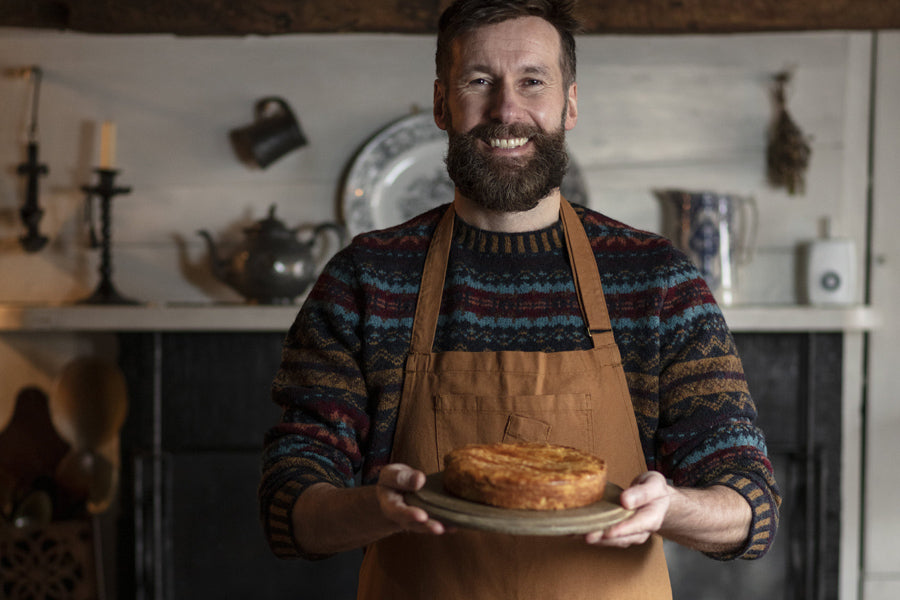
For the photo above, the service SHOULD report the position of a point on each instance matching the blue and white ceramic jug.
(718, 232)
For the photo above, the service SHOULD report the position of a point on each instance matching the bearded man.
(511, 315)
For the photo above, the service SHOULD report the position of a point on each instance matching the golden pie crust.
(525, 476)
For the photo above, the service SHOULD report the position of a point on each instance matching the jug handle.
(263, 103)
(748, 239)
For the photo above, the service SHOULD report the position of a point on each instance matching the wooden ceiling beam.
(275, 17)
(732, 16)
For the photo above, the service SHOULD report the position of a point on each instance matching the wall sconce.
(274, 132)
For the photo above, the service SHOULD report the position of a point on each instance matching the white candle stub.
(108, 145)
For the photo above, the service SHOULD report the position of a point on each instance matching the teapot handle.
(341, 232)
(317, 232)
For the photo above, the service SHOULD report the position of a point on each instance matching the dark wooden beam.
(274, 17)
(732, 16)
(222, 17)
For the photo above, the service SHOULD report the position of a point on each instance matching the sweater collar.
(541, 241)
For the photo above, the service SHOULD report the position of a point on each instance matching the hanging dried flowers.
(788, 151)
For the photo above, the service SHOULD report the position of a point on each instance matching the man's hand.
(393, 481)
(328, 519)
(712, 519)
(649, 496)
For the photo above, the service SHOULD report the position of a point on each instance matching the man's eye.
(533, 82)
(479, 81)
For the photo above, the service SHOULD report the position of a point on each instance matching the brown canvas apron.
(577, 398)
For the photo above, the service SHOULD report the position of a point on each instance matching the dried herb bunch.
(788, 151)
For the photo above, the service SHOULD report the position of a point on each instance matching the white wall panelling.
(686, 111)
(882, 517)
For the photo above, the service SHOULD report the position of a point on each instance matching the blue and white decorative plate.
(400, 173)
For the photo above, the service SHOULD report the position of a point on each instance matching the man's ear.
(441, 119)
(572, 107)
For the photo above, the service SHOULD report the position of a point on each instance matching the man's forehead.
(530, 44)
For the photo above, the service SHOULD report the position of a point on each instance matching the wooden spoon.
(90, 402)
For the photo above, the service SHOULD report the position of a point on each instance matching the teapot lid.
(269, 225)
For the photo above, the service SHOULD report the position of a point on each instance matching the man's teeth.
(508, 143)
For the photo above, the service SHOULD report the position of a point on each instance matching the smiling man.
(512, 104)
(510, 315)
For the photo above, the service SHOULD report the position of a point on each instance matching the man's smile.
(508, 143)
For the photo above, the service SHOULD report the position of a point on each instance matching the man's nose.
(506, 104)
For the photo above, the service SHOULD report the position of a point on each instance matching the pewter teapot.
(271, 266)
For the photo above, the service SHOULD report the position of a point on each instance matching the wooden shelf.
(245, 317)
(777, 318)
(148, 317)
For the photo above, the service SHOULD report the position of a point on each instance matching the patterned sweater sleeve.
(320, 389)
(706, 433)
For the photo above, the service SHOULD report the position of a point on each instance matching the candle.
(108, 145)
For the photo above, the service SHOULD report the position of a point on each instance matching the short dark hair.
(464, 16)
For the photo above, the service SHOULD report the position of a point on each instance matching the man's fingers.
(648, 496)
(644, 489)
(599, 539)
(401, 477)
(393, 482)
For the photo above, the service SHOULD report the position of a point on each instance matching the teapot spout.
(216, 264)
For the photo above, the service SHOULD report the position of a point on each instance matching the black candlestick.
(30, 212)
(105, 190)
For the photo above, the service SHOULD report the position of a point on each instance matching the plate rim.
(355, 218)
(580, 520)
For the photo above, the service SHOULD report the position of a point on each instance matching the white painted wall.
(882, 515)
(654, 112)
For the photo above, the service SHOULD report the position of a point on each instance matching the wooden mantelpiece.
(273, 17)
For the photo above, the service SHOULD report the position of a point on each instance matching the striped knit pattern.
(341, 376)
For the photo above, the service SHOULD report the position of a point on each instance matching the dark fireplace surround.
(199, 405)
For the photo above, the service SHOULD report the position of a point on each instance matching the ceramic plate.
(463, 513)
(400, 173)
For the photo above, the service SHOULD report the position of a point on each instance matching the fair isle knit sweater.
(341, 375)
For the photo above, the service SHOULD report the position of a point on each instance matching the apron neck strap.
(428, 305)
(586, 274)
(581, 258)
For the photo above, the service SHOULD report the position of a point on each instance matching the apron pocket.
(461, 419)
(520, 428)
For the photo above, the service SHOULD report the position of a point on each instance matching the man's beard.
(507, 184)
